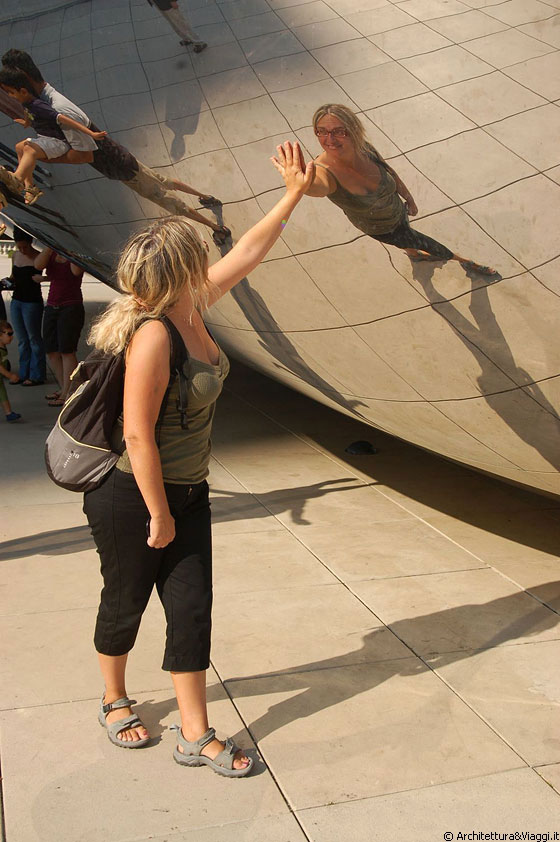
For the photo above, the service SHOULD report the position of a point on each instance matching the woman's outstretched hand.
(290, 163)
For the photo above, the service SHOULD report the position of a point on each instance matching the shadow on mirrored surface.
(487, 331)
(278, 345)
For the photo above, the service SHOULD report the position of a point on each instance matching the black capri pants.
(181, 572)
(405, 237)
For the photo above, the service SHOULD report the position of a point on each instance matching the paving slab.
(377, 719)
(98, 791)
(515, 801)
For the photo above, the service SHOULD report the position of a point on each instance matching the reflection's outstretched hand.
(290, 163)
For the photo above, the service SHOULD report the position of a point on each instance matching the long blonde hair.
(153, 271)
(352, 124)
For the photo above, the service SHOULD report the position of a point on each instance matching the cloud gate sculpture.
(462, 99)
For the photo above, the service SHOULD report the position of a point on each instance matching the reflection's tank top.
(375, 213)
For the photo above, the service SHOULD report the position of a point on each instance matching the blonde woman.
(151, 518)
(353, 175)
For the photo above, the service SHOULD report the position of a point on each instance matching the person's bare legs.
(73, 156)
(30, 154)
(418, 254)
(69, 363)
(186, 188)
(190, 689)
(113, 668)
(55, 364)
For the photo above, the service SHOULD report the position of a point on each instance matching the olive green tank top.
(374, 213)
(185, 454)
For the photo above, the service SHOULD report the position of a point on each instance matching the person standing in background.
(63, 319)
(26, 311)
(171, 12)
(6, 336)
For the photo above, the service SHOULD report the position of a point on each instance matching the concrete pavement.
(386, 644)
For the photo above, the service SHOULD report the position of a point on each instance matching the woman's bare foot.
(240, 761)
(416, 255)
(132, 735)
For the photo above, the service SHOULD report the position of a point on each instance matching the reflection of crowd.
(44, 332)
(86, 144)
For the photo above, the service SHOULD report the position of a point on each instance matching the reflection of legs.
(181, 25)
(157, 188)
(205, 198)
(73, 156)
(30, 154)
(419, 246)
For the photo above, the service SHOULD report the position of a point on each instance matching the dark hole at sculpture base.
(361, 448)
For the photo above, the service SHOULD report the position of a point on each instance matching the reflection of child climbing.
(50, 141)
(177, 20)
(6, 336)
(108, 157)
(353, 175)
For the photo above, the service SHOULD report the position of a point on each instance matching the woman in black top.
(26, 311)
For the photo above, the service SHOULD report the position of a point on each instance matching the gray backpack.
(78, 450)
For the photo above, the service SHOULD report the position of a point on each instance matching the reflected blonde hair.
(155, 268)
(352, 124)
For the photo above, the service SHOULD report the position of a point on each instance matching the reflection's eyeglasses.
(8, 332)
(338, 131)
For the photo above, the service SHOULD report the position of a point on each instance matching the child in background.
(48, 123)
(6, 336)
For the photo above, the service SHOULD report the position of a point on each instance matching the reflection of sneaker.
(185, 43)
(13, 416)
(199, 46)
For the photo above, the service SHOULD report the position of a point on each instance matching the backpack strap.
(178, 356)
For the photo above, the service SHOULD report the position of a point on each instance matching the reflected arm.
(63, 120)
(322, 184)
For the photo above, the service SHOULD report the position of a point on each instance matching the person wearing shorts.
(63, 319)
(50, 142)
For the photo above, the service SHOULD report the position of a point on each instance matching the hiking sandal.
(209, 201)
(31, 194)
(11, 181)
(471, 266)
(115, 728)
(222, 764)
(220, 235)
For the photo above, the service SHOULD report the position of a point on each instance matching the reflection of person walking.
(170, 10)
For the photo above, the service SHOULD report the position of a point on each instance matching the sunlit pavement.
(386, 644)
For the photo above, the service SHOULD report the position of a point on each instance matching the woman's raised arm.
(43, 258)
(257, 242)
